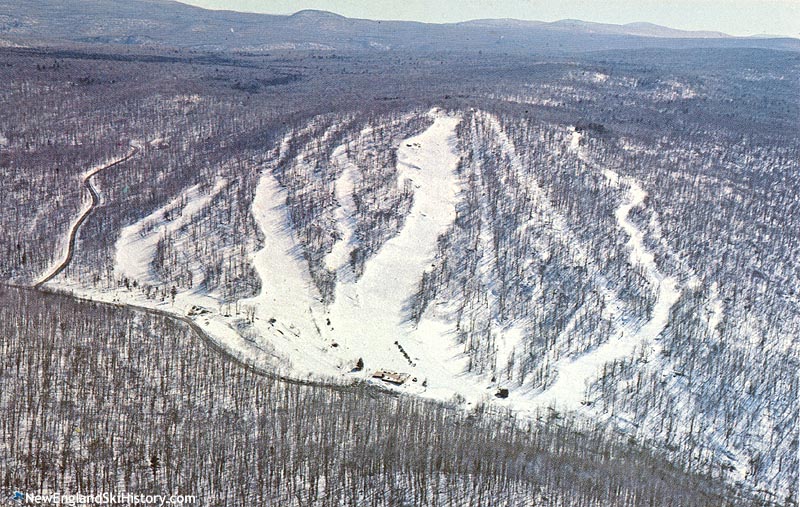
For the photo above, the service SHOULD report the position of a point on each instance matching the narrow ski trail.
(568, 391)
(136, 246)
(344, 215)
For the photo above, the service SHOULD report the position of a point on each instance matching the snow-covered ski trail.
(345, 213)
(568, 391)
(136, 247)
(369, 315)
(287, 306)
(345, 185)
(510, 337)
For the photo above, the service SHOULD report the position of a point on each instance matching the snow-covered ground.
(286, 310)
(717, 308)
(369, 318)
(369, 315)
(345, 213)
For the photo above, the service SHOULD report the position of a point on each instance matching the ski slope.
(288, 305)
(370, 314)
(369, 318)
(574, 373)
(136, 246)
(345, 213)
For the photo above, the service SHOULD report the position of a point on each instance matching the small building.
(391, 376)
(197, 310)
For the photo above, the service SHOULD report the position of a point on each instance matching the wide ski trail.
(370, 314)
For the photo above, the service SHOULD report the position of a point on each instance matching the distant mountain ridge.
(173, 24)
(643, 29)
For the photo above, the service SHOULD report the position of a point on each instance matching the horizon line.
(721, 33)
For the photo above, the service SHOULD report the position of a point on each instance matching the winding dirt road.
(73, 233)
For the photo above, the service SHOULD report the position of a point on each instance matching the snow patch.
(575, 140)
(717, 308)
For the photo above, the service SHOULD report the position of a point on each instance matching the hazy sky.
(736, 17)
